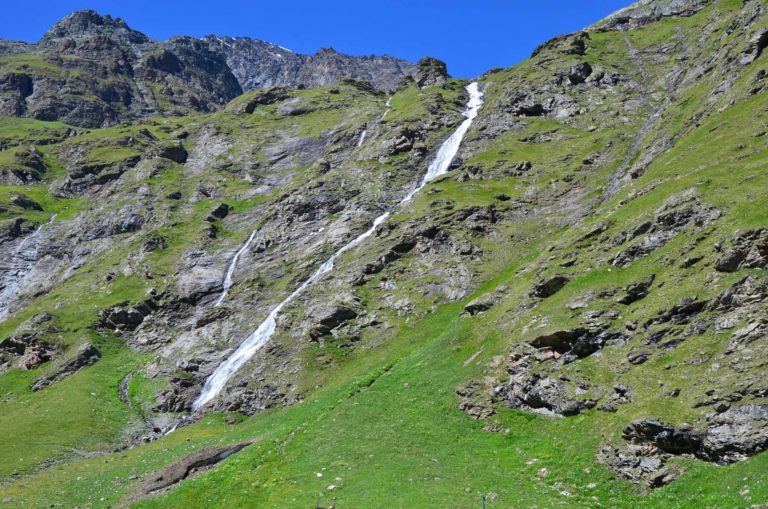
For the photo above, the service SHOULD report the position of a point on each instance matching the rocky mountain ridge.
(91, 70)
(260, 64)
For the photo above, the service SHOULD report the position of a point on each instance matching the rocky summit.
(259, 64)
(236, 276)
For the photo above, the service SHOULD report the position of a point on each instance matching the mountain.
(90, 70)
(259, 64)
(545, 287)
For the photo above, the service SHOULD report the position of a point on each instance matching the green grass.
(33, 63)
(70, 418)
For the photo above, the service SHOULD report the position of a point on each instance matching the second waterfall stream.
(253, 343)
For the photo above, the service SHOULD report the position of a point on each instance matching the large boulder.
(549, 286)
(25, 203)
(749, 251)
(174, 151)
(757, 43)
(637, 290)
(330, 317)
(125, 317)
(198, 282)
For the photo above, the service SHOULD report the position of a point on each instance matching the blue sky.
(471, 36)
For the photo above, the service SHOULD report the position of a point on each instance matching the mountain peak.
(326, 51)
(87, 23)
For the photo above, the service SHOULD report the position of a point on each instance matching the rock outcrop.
(647, 11)
(194, 463)
(86, 355)
(431, 72)
(730, 436)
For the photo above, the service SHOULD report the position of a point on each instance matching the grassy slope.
(89, 415)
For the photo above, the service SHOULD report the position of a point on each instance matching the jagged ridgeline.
(95, 71)
(572, 315)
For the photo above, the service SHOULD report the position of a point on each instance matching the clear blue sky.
(471, 36)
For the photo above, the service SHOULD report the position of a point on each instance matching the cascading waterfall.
(228, 282)
(21, 263)
(439, 166)
(389, 108)
(362, 138)
(231, 270)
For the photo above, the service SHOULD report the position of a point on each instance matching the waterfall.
(253, 343)
(362, 138)
(233, 264)
(21, 263)
(231, 270)
(389, 108)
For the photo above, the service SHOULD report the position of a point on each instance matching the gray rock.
(199, 460)
(475, 400)
(259, 64)
(637, 357)
(329, 317)
(431, 72)
(174, 151)
(682, 210)
(86, 355)
(755, 47)
(572, 44)
(219, 212)
(750, 250)
(575, 343)
(125, 317)
(731, 436)
(25, 203)
(264, 97)
(736, 434)
(480, 304)
(536, 392)
(647, 11)
(549, 287)
(577, 74)
(637, 290)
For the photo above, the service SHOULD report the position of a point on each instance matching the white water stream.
(253, 343)
(231, 270)
(23, 258)
(389, 108)
(362, 138)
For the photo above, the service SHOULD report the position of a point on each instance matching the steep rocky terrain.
(259, 64)
(574, 315)
(90, 70)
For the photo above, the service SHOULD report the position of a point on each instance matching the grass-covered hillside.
(573, 316)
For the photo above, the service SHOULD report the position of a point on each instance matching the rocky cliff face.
(648, 11)
(93, 71)
(90, 70)
(259, 64)
(588, 281)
